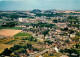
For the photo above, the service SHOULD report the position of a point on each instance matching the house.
(30, 50)
(72, 35)
(57, 50)
(40, 56)
(20, 26)
(64, 56)
(23, 55)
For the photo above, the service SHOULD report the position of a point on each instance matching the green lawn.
(23, 34)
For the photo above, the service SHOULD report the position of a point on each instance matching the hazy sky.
(39, 4)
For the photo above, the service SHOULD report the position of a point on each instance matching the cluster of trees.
(77, 46)
(74, 25)
(72, 17)
(22, 49)
(29, 46)
(55, 21)
(30, 39)
(70, 51)
(9, 24)
(35, 11)
(11, 16)
(7, 51)
(43, 25)
(65, 29)
(3, 14)
(48, 15)
(48, 11)
(0, 17)
(75, 50)
(45, 32)
(78, 33)
(59, 20)
(48, 41)
(74, 21)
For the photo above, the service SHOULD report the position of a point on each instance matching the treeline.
(49, 15)
(9, 24)
(12, 16)
(43, 25)
(71, 51)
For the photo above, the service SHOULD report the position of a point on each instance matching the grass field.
(23, 34)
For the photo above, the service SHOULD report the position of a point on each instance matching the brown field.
(9, 32)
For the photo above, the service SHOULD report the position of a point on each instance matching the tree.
(13, 17)
(67, 41)
(6, 52)
(55, 20)
(16, 47)
(77, 45)
(61, 50)
(45, 32)
(65, 29)
(22, 50)
(78, 33)
(71, 31)
(9, 24)
(48, 41)
(35, 40)
(29, 45)
(70, 51)
(30, 38)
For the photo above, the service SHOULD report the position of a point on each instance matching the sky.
(39, 4)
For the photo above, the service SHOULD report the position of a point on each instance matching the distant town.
(40, 33)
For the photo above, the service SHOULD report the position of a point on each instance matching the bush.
(6, 52)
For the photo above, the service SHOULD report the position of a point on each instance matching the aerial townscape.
(40, 33)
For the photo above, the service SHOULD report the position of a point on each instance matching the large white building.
(28, 20)
(23, 19)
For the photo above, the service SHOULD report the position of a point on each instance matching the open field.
(23, 34)
(11, 41)
(5, 40)
(9, 32)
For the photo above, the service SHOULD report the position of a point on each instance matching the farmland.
(8, 42)
(5, 40)
(9, 32)
(11, 28)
